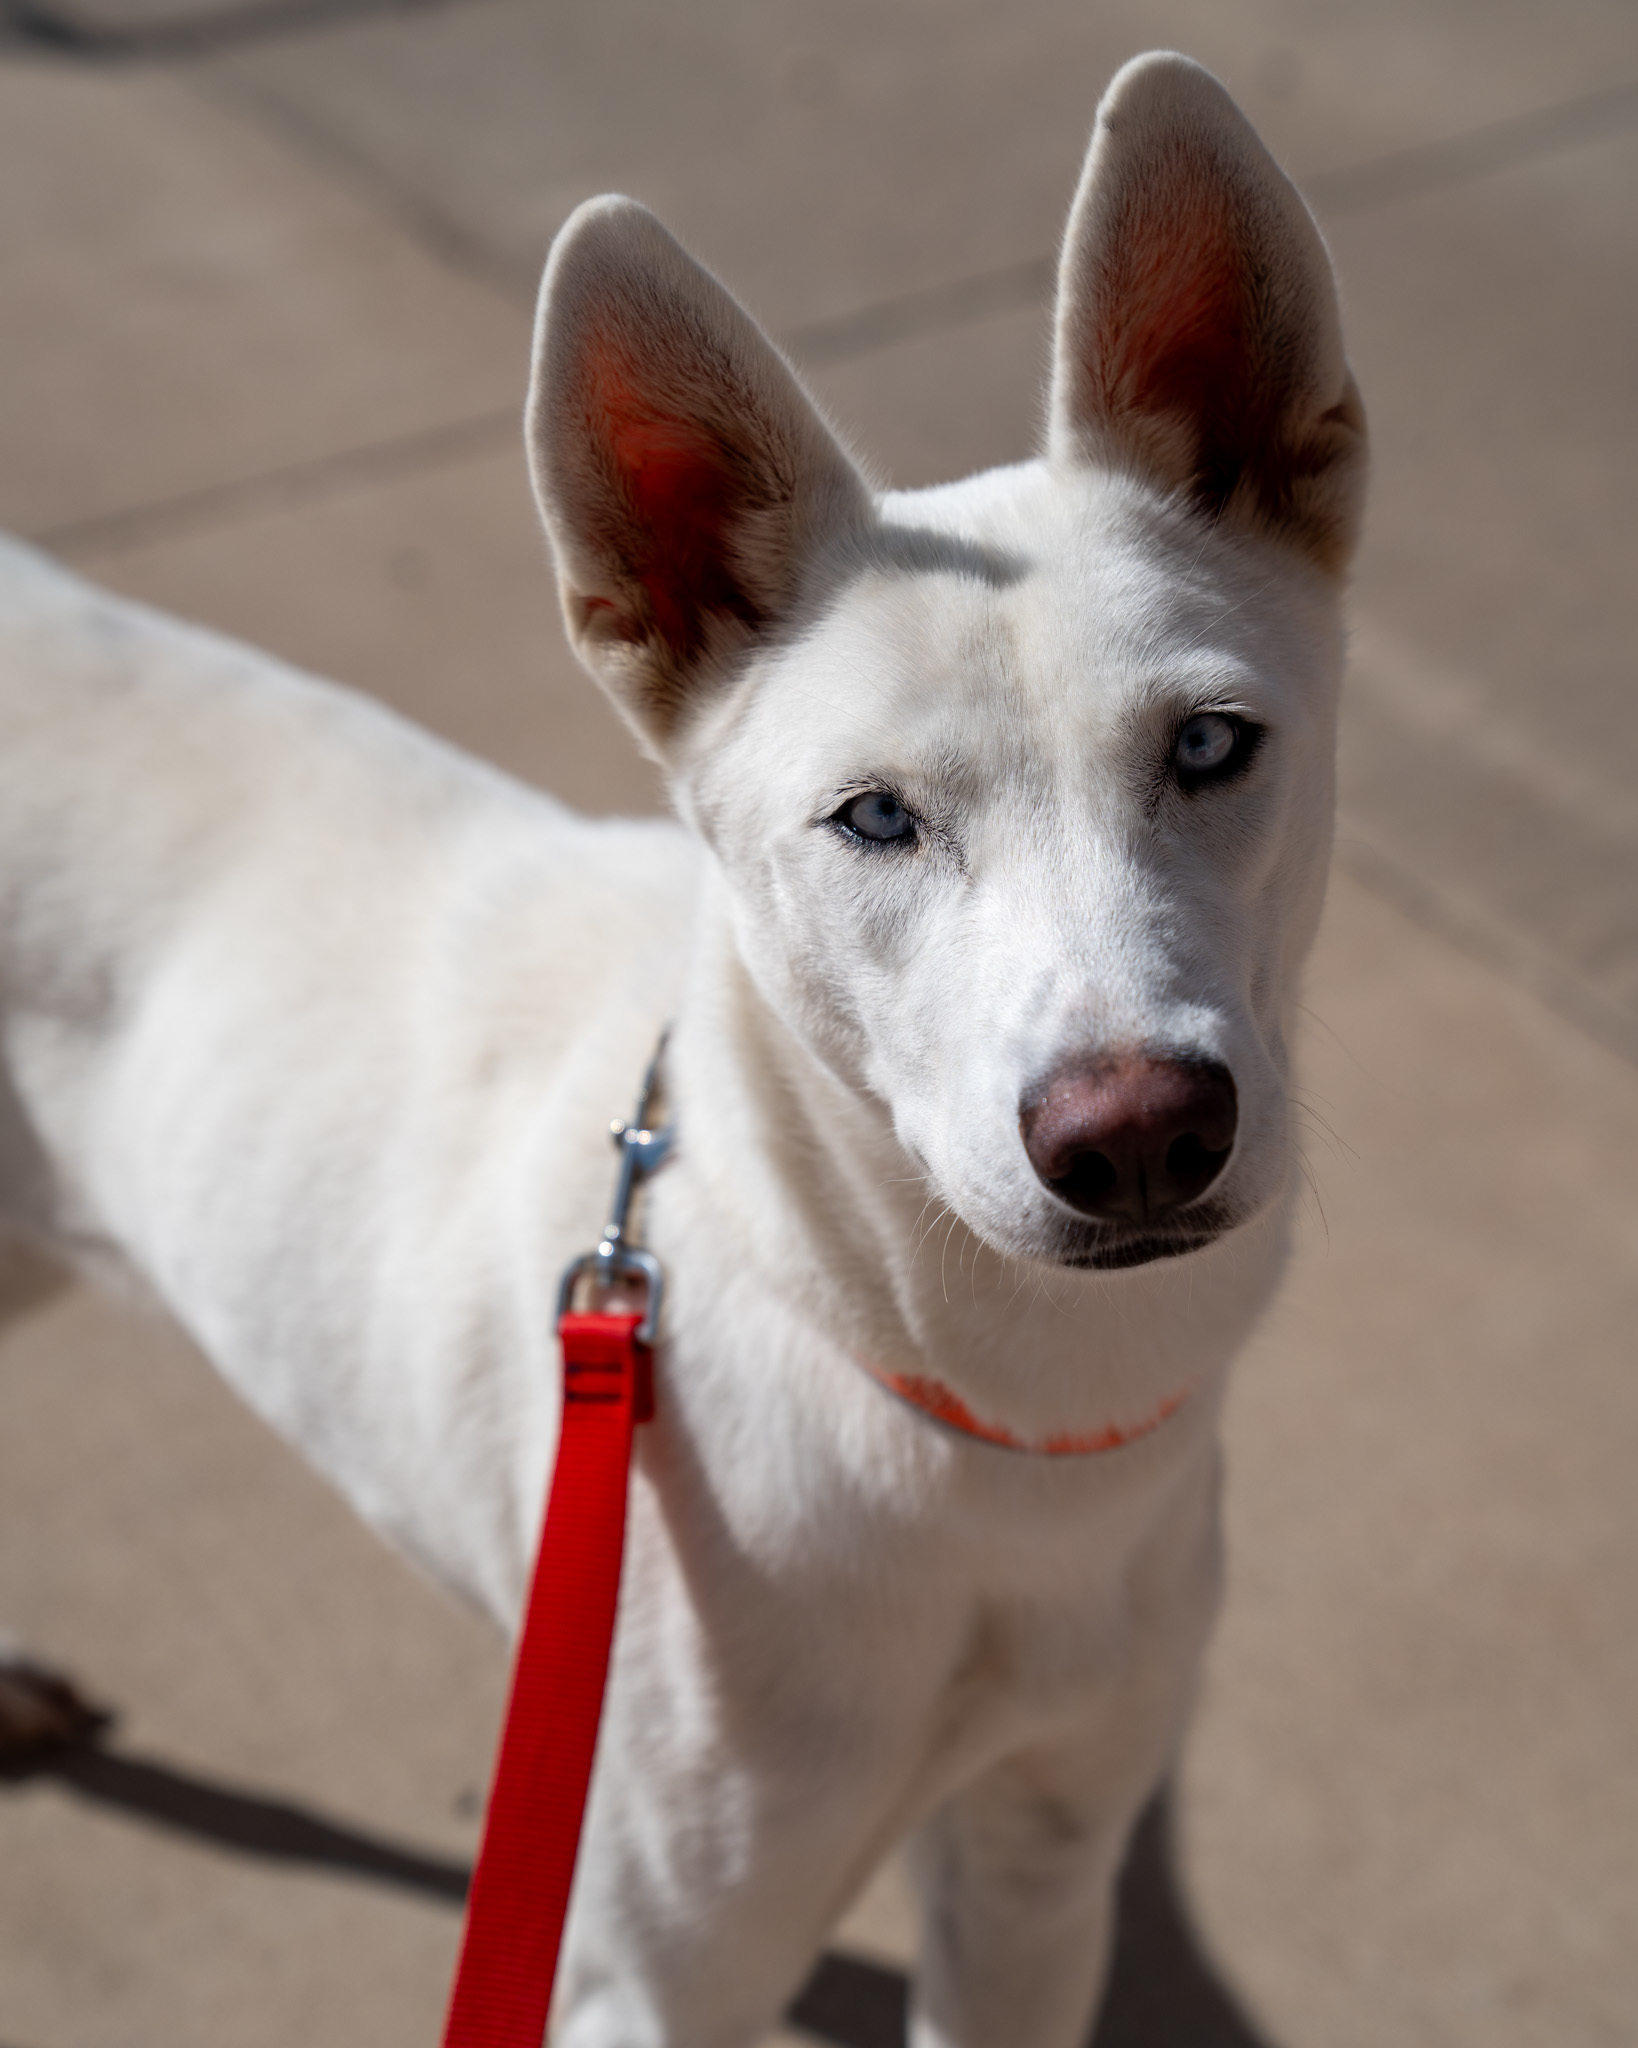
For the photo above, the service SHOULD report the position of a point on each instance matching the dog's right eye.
(877, 816)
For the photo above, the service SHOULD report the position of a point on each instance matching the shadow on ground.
(231, 1819)
(1163, 1986)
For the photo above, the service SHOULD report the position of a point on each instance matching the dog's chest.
(882, 1591)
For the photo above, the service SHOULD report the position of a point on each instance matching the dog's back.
(289, 989)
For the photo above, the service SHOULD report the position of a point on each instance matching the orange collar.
(934, 1398)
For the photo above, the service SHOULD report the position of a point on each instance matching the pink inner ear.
(683, 488)
(1174, 332)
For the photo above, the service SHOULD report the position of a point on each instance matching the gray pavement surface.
(264, 301)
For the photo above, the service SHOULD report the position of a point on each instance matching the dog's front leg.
(1016, 1877)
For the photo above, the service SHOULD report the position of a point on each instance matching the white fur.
(317, 1027)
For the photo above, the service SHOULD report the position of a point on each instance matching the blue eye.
(877, 816)
(1209, 743)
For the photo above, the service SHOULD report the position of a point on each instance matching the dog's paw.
(41, 1711)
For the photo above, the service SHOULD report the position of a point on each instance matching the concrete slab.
(265, 1653)
(826, 156)
(1494, 331)
(187, 302)
(1412, 1794)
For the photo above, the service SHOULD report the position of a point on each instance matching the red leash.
(520, 1889)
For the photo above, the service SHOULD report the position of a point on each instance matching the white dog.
(1006, 813)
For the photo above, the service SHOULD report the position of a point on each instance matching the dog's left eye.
(1211, 746)
(877, 816)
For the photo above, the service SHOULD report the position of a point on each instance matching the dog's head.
(1022, 787)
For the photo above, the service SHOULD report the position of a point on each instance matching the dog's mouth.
(1107, 1248)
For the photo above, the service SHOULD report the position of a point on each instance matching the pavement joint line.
(321, 477)
(1355, 188)
(453, 442)
(1398, 175)
(1421, 169)
(930, 309)
(1496, 146)
(439, 233)
(59, 29)
(444, 446)
(1431, 700)
(1486, 938)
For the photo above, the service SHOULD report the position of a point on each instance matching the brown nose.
(1131, 1138)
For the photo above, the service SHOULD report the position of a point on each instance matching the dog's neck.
(804, 1180)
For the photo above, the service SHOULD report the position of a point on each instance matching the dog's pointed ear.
(1198, 338)
(690, 488)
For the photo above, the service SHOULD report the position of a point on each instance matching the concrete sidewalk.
(268, 273)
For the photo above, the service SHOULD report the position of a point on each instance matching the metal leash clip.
(643, 1151)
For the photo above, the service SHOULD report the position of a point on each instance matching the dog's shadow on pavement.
(1164, 1990)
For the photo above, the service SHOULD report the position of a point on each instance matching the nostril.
(1091, 1179)
(1190, 1158)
